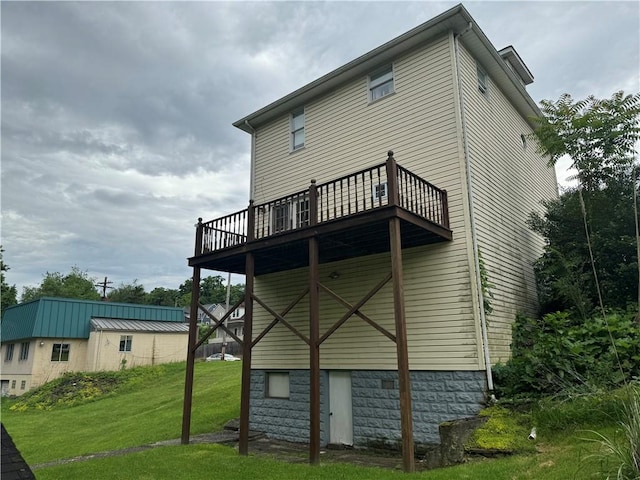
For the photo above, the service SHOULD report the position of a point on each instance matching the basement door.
(340, 411)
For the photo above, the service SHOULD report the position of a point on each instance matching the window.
(379, 192)
(23, 384)
(60, 352)
(277, 385)
(290, 214)
(523, 139)
(125, 343)
(24, 350)
(483, 80)
(13, 384)
(381, 83)
(297, 130)
(8, 354)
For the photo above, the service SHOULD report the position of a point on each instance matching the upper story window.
(8, 354)
(483, 80)
(297, 130)
(24, 350)
(60, 352)
(381, 83)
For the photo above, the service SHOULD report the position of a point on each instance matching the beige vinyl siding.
(509, 183)
(344, 133)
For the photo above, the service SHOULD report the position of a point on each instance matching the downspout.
(253, 160)
(474, 233)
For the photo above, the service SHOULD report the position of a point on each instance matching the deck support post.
(314, 333)
(245, 393)
(193, 338)
(404, 379)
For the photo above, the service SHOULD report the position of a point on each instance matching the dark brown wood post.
(245, 394)
(193, 338)
(404, 380)
(445, 208)
(314, 335)
(392, 179)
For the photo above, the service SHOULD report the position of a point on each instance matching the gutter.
(253, 162)
(474, 233)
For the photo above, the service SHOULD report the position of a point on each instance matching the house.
(389, 201)
(47, 337)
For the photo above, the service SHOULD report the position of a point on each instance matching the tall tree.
(597, 217)
(167, 297)
(128, 293)
(75, 284)
(8, 293)
(598, 135)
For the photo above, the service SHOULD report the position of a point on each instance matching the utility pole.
(104, 285)
(226, 309)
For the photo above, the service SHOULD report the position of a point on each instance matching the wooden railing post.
(313, 203)
(199, 248)
(251, 222)
(392, 179)
(445, 209)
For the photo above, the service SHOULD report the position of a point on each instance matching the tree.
(163, 296)
(129, 293)
(598, 135)
(76, 284)
(8, 293)
(213, 289)
(597, 217)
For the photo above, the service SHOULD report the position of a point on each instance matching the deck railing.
(378, 186)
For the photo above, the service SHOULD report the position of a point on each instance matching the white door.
(340, 413)
(4, 389)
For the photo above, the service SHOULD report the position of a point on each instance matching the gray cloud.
(116, 117)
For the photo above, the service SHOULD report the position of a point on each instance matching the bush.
(561, 354)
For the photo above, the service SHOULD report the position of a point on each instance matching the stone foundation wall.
(437, 397)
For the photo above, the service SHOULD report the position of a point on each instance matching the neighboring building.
(335, 232)
(47, 337)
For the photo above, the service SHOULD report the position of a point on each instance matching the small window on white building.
(381, 83)
(297, 130)
(125, 343)
(8, 354)
(277, 385)
(23, 384)
(60, 352)
(483, 80)
(24, 351)
(523, 140)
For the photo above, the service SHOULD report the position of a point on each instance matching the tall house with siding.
(385, 197)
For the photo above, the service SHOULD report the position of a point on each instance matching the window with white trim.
(483, 80)
(290, 214)
(60, 352)
(23, 384)
(8, 354)
(13, 384)
(297, 130)
(24, 351)
(381, 83)
(277, 385)
(125, 343)
(379, 191)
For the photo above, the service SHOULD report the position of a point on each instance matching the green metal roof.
(70, 318)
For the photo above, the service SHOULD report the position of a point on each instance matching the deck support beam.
(314, 334)
(404, 379)
(191, 357)
(247, 344)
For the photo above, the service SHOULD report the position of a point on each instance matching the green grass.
(147, 414)
(151, 410)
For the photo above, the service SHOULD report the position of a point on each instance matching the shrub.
(562, 354)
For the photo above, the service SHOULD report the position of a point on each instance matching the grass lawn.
(152, 412)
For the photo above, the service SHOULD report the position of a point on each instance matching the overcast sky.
(116, 117)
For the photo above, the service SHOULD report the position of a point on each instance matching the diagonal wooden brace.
(281, 319)
(276, 320)
(354, 308)
(218, 324)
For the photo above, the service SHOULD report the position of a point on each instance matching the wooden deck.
(349, 216)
